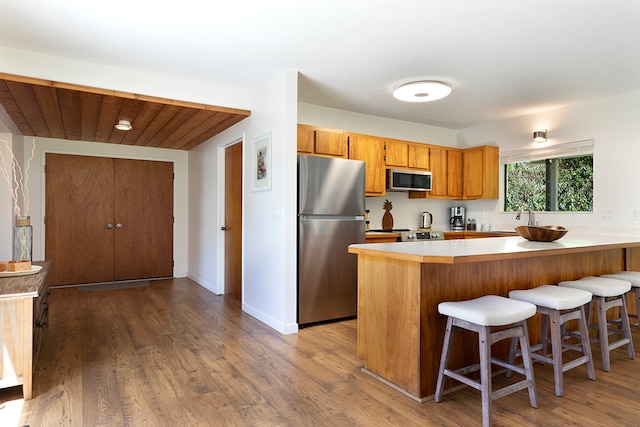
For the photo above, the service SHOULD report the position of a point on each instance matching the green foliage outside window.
(559, 184)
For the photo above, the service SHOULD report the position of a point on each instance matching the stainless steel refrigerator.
(331, 196)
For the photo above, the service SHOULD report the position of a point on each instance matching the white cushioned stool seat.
(600, 286)
(489, 310)
(481, 315)
(557, 305)
(632, 277)
(608, 293)
(558, 298)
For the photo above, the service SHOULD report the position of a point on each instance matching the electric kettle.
(426, 219)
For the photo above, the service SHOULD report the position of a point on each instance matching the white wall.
(269, 217)
(612, 123)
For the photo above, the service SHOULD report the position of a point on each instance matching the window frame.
(565, 150)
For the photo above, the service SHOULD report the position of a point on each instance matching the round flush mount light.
(123, 125)
(422, 91)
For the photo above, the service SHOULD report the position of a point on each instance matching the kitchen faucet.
(532, 217)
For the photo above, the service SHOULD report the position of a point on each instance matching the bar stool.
(480, 315)
(557, 305)
(632, 277)
(607, 294)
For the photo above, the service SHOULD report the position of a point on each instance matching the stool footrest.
(511, 389)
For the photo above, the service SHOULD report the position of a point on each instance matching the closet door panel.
(144, 219)
(79, 206)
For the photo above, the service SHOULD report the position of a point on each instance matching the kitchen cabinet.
(407, 154)
(445, 165)
(397, 153)
(455, 170)
(321, 141)
(480, 172)
(24, 310)
(382, 237)
(419, 156)
(370, 149)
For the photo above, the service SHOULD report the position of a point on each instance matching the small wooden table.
(24, 310)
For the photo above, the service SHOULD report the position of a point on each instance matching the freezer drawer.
(327, 273)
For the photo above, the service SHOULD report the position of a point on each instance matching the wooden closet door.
(144, 219)
(79, 205)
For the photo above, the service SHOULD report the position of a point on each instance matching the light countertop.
(474, 250)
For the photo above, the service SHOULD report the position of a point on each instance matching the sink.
(545, 233)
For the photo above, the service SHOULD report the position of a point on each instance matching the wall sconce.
(123, 125)
(540, 135)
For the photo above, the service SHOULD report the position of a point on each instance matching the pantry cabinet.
(480, 172)
(321, 141)
(370, 149)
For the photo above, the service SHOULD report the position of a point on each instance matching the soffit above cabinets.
(50, 109)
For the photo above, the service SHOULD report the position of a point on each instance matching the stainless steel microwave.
(408, 180)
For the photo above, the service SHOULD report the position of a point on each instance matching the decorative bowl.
(545, 233)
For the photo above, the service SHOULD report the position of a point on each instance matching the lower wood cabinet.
(24, 310)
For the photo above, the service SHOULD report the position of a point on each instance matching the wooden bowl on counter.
(545, 233)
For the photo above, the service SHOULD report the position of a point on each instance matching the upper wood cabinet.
(321, 141)
(397, 153)
(407, 154)
(370, 149)
(454, 173)
(419, 156)
(480, 172)
(445, 165)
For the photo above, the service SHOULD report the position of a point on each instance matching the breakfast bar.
(400, 331)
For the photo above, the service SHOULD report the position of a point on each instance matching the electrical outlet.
(607, 214)
(635, 215)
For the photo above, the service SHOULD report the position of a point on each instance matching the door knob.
(118, 225)
(109, 226)
(223, 228)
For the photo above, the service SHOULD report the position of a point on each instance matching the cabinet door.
(331, 143)
(371, 150)
(305, 139)
(438, 167)
(397, 153)
(454, 173)
(473, 173)
(419, 156)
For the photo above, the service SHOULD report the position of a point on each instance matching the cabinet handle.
(118, 225)
(109, 226)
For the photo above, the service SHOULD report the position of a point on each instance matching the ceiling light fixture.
(123, 125)
(421, 91)
(540, 135)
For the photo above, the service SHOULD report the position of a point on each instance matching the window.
(559, 178)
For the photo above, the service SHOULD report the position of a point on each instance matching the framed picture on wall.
(262, 163)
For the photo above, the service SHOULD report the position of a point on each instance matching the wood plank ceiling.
(48, 109)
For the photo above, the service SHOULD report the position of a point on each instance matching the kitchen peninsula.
(400, 331)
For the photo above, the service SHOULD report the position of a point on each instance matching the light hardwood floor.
(174, 354)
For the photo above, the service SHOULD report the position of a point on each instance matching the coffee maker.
(457, 218)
